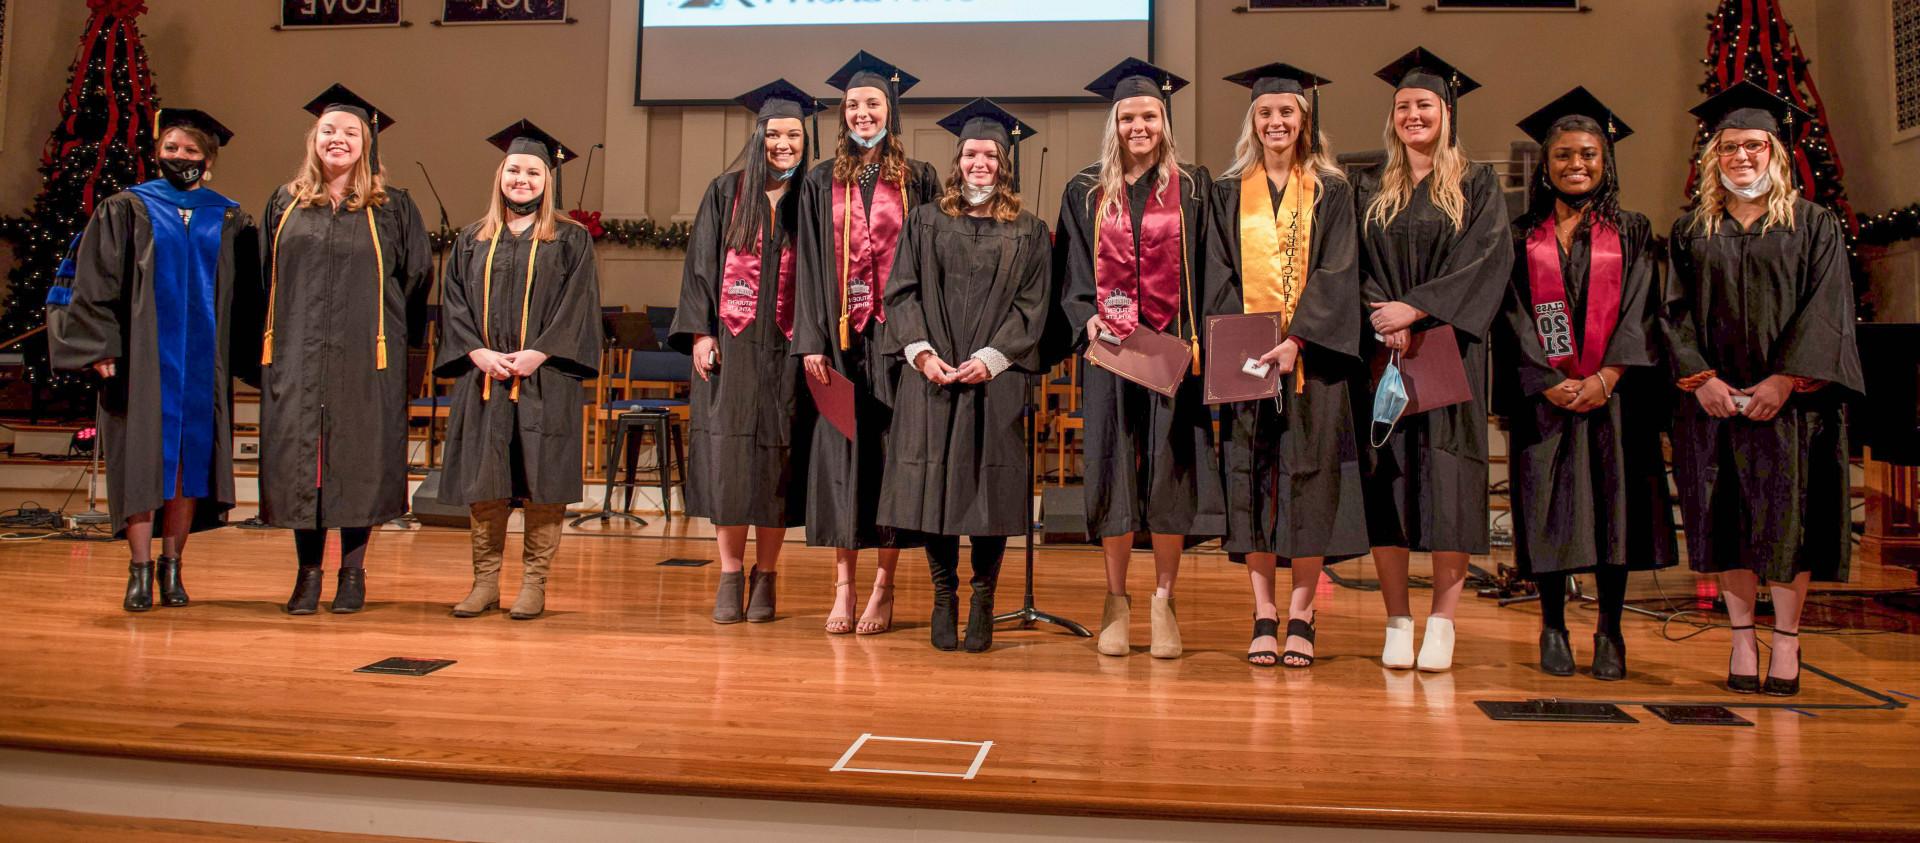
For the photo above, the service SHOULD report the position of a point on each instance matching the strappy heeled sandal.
(1264, 628)
(875, 625)
(1297, 628)
(839, 624)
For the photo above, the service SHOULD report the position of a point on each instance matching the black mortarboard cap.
(778, 99)
(1282, 78)
(984, 119)
(338, 97)
(1579, 101)
(1428, 72)
(866, 70)
(1749, 106)
(524, 138)
(1135, 78)
(167, 118)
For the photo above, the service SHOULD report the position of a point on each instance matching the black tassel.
(559, 193)
(893, 103)
(1453, 111)
(1016, 158)
(813, 131)
(1313, 123)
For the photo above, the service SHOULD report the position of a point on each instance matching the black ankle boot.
(350, 592)
(1609, 657)
(139, 587)
(306, 591)
(172, 591)
(1556, 654)
(980, 610)
(946, 604)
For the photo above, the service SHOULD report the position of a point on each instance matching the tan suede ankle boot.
(1166, 629)
(1114, 621)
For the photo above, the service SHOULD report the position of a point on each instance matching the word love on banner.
(315, 14)
(503, 11)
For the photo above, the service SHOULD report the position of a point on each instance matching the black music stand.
(620, 331)
(1027, 615)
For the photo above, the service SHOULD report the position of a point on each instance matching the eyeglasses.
(1751, 148)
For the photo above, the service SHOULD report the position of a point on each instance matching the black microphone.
(584, 177)
(446, 227)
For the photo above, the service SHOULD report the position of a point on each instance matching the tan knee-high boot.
(539, 545)
(488, 531)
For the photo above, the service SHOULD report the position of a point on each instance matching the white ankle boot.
(1398, 652)
(1436, 650)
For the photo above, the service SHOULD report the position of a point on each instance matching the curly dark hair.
(1605, 204)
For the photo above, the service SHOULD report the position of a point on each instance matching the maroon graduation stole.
(1141, 282)
(865, 248)
(1549, 291)
(740, 282)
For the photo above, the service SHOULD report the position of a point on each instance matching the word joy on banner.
(459, 12)
(320, 14)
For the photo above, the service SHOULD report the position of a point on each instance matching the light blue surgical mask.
(788, 175)
(869, 143)
(1389, 401)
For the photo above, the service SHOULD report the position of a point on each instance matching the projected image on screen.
(711, 50)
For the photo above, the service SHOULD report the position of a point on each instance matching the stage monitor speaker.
(428, 510)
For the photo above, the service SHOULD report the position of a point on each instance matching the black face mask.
(182, 173)
(1573, 201)
(521, 208)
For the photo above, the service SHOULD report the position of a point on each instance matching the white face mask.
(1756, 190)
(976, 195)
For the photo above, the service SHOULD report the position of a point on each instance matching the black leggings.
(1613, 599)
(311, 546)
(944, 553)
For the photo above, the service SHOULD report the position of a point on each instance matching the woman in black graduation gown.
(1150, 462)
(1434, 251)
(162, 273)
(851, 216)
(967, 305)
(1292, 465)
(1575, 350)
(347, 262)
(750, 426)
(520, 312)
(1758, 321)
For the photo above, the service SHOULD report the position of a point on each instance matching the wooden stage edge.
(627, 687)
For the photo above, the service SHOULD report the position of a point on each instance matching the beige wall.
(451, 87)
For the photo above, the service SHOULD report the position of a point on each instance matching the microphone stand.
(433, 336)
(1027, 615)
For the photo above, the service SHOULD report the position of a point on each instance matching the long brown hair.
(546, 221)
(365, 189)
(1003, 205)
(846, 156)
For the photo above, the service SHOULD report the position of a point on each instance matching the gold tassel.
(380, 352)
(273, 287)
(514, 393)
(266, 349)
(379, 294)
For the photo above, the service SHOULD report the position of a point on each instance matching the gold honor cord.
(846, 269)
(379, 290)
(486, 310)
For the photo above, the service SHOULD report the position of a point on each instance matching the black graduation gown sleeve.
(1588, 489)
(1768, 497)
(751, 422)
(1292, 474)
(112, 316)
(1464, 291)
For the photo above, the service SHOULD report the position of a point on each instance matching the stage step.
(38, 825)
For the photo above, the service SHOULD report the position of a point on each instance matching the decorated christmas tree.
(101, 145)
(1751, 40)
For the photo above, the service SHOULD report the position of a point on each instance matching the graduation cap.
(1282, 78)
(1577, 102)
(339, 98)
(192, 118)
(778, 99)
(1428, 72)
(1749, 106)
(1135, 78)
(984, 119)
(524, 138)
(866, 70)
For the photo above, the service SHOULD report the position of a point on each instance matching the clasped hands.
(1393, 321)
(937, 371)
(1766, 398)
(518, 364)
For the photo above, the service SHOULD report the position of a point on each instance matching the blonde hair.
(1450, 164)
(546, 221)
(1248, 151)
(1711, 196)
(1002, 206)
(365, 189)
(1111, 186)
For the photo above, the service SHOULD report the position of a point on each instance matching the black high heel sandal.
(1744, 683)
(1294, 659)
(1784, 687)
(1265, 628)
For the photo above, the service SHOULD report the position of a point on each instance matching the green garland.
(1888, 228)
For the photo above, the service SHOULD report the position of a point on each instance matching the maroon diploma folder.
(1431, 369)
(1147, 357)
(1232, 340)
(834, 399)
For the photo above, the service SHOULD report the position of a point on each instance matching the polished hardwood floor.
(626, 685)
(31, 825)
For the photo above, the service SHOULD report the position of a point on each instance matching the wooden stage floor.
(625, 685)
